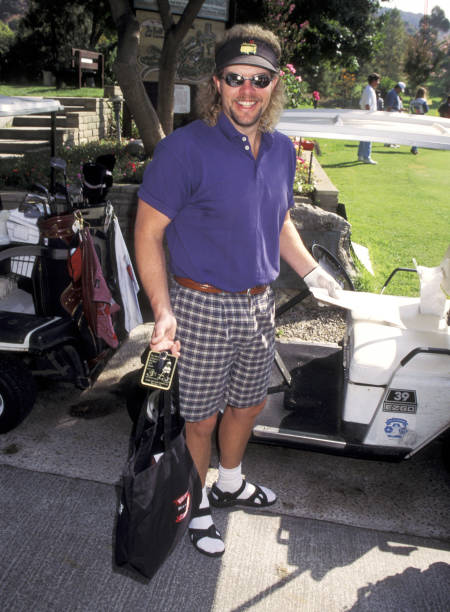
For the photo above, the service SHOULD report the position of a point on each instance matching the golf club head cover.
(108, 161)
(94, 182)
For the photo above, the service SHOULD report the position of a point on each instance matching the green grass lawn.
(399, 209)
(49, 92)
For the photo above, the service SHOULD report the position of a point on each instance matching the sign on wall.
(182, 99)
(196, 55)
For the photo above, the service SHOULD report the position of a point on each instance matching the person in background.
(394, 104)
(316, 98)
(368, 102)
(444, 109)
(380, 102)
(220, 190)
(418, 106)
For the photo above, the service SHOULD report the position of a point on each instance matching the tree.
(152, 125)
(336, 34)
(424, 52)
(129, 78)
(6, 37)
(340, 32)
(45, 36)
(389, 57)
(419, 60)
(441, 79)
(173, 36)
(277, 19)
(437, 20)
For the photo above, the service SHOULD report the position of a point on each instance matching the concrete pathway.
(346, 534)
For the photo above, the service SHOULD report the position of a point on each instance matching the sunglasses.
(260, 81)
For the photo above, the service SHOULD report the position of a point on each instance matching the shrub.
(292, 86)
(23, 172)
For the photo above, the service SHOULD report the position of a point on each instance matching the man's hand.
(319, 278)
(163, 337)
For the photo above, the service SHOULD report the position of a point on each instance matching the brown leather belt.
(205, 288)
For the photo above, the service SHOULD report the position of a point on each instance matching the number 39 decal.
(400, 400)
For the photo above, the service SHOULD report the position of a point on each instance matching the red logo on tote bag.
(182, 504)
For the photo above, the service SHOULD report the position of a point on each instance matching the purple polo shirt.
(226, 207)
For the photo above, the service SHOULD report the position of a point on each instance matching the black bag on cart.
(158, 493)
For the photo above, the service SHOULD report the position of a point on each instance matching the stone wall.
(92, 124)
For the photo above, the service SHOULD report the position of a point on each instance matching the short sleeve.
(165, 185)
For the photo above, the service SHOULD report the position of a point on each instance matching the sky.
(418, 6)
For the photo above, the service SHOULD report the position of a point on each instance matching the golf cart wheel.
(333, 266)
(17, 392)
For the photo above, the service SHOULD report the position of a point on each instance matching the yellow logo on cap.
(249, 48)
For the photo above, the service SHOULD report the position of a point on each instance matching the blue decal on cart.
(396, 428)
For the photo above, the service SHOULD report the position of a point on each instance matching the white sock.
(230, 480)
(210, 545)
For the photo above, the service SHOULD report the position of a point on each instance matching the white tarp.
(10, 106)
(346, 124)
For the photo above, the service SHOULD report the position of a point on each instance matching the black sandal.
(197, 534)
(222, 499)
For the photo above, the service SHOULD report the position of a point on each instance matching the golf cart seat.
(385, 329)
(399, 311)
(377, 351)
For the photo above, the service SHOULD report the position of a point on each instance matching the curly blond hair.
(208, 101)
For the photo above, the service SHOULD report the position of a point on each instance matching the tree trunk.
(166, 84)
(129, 78)
(174, 34)
(152, 126)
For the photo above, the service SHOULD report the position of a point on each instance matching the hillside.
(411, 20)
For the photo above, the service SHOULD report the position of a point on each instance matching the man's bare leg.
(198, 440)
(202, 531)
(234, 432)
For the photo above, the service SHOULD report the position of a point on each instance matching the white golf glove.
(319, 278)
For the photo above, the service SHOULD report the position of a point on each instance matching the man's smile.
(247, 103)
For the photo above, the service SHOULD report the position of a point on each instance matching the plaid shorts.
(227, 349)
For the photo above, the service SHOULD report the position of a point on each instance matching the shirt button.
(244, 138)
(246, 147)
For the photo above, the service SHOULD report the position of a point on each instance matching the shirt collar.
(231, 133)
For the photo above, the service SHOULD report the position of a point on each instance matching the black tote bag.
(157, 495)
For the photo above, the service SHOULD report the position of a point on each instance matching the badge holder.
(159, 370)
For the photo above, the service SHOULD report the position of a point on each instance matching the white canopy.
(11, 106)
(346, 124)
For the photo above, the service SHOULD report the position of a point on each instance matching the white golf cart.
(385, 393)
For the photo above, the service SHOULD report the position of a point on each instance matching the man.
(368, 102)
(394, 102)
(444, 109)
(220, 190)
